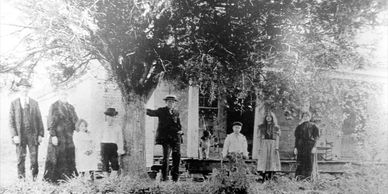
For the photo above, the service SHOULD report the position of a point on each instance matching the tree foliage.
(272, 49)
(221, 45)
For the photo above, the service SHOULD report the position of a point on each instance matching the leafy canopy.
(227, 47)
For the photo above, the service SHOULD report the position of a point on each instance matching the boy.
(235, 142)
(112, 143)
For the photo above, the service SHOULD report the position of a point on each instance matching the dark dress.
(306, 136)
(60, 160)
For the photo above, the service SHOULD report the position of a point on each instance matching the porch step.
(288, 166)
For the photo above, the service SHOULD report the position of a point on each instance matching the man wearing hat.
(169, 135)
(235, 142)
(26, 128)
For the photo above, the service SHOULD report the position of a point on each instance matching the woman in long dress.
(306, 137)
(85, 149)
(60, 160)
(269, 160)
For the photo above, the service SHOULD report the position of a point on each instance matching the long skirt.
(269, 159)
(305, 162)
(60, 161)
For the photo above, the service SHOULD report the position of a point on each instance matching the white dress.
(85, 149)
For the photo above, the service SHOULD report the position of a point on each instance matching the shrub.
(233, 177)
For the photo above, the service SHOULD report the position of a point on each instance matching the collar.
(24, 99)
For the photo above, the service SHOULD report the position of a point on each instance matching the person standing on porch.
(269, 160)
(169, 135)
(112, 143)
(306, 136)
(235, 143)
(26, 127)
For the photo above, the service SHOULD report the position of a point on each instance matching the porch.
(200, 168)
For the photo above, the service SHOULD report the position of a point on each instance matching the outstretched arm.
(152, 113)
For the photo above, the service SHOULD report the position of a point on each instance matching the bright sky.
(8, 16)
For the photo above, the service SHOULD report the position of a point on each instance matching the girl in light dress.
(269, 160)
(85, 147)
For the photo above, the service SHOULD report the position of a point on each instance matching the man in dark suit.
(169, 135)
(26, 128)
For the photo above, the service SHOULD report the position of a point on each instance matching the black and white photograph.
(193, 96)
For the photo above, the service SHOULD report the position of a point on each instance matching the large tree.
(226, 47)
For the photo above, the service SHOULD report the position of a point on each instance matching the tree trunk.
(134, 161)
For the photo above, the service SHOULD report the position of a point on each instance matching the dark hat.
(23, 82)
(170, 97)
(237, 123)
(111, 112)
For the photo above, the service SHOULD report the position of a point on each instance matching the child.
(268, 157)
(235, 143)
(86, 159)
(112, 143)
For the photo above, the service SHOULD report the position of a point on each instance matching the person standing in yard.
(112, 143)
(60, 160)
(306, 136)
(269, 160)
(235, 143)
(85, 149)
(26, 129)
(169, 135)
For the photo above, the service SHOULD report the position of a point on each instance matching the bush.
(233, 177)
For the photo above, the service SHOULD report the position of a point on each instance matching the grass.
(366, 179)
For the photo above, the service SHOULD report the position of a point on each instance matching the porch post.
(193, 122)
(259, 116)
